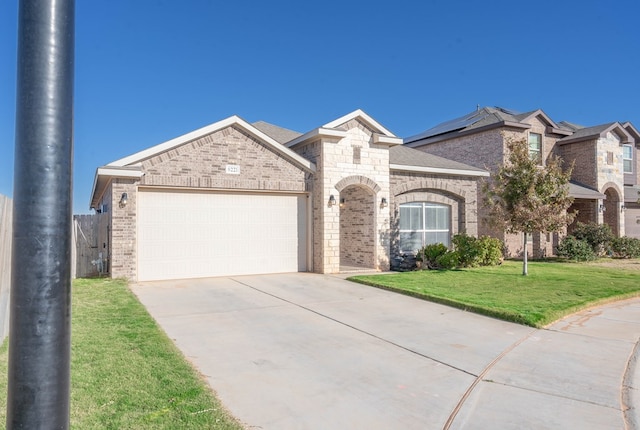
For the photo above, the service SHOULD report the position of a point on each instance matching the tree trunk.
(525, 263)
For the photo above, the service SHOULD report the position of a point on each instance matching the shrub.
(575, 249)
(448, 260)
(598, 236)
(491, 251)
(625, 247)
(430, 254)
(469, 250)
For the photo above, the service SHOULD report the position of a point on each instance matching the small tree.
(524, 197)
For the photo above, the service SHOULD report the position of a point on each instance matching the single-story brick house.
(236, 198)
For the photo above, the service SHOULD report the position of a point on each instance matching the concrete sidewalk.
(308, 351)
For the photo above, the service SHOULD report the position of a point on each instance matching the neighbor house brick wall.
(487, 150)
(587, 212)
(582, 155)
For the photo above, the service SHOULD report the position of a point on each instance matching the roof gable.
(632, 131)
(598, 131)
(212, 128)
(359, 114)
(332, 130)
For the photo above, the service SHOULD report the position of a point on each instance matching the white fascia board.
(104, 175)
(439, 170)
(317, 133)
(359, 113)
(387, 140)
(169, 144)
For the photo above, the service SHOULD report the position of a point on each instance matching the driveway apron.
(309, 351)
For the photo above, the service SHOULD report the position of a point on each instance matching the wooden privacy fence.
(90, 249)
(89, 256)
(6, 221)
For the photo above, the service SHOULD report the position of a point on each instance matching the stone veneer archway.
(611, 215)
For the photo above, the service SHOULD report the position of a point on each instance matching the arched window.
(423, 223)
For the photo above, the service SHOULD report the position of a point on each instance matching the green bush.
(449, 260)
(492, 253)
(598, 236)
(469, 250)
(429, 254)
(575, 249)
(625, 247)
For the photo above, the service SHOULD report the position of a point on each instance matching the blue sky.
(151, 70)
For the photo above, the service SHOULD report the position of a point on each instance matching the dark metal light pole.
(40, 327)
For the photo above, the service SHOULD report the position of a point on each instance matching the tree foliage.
(524, 197)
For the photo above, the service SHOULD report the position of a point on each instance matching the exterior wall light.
(332, 200)
(123, 200)
(342, 202)
(622, 208)
(384, 203)
(601, 208)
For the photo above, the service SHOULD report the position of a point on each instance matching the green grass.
(125, 372)
(550, 291)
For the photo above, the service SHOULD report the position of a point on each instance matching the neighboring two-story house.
(605, 157)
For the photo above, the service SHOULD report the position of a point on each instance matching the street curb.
(630, 395)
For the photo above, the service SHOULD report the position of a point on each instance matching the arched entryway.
(611, 215)
(357, 228)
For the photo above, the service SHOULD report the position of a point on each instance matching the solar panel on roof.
(451, 125)
(508, 111)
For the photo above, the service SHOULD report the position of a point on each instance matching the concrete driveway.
(309, 351)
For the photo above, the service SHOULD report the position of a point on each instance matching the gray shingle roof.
(279, 134)
(483, 117)
(405, 156)
(586, 132)
(580, 191)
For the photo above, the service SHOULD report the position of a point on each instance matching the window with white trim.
(423, 223)
(535, 147)
(627, 158)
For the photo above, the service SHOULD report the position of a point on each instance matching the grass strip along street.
(125, 372)
(550, 291)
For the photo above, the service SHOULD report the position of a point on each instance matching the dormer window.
(535, 147)
(627, 158)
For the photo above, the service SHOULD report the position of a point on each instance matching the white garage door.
(185, 234)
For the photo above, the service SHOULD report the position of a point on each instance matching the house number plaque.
(232, 169)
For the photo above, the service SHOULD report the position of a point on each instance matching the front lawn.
(125, 372)
(550, 291)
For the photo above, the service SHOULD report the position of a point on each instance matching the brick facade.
(457, 192)
(349, 161)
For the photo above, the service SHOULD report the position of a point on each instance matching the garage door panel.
(188, 234)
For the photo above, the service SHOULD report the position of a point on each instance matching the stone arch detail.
(613, 185)
(357, 180)
(611, 215)
(431, 184)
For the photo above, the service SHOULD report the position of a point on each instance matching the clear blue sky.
(151, 70)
